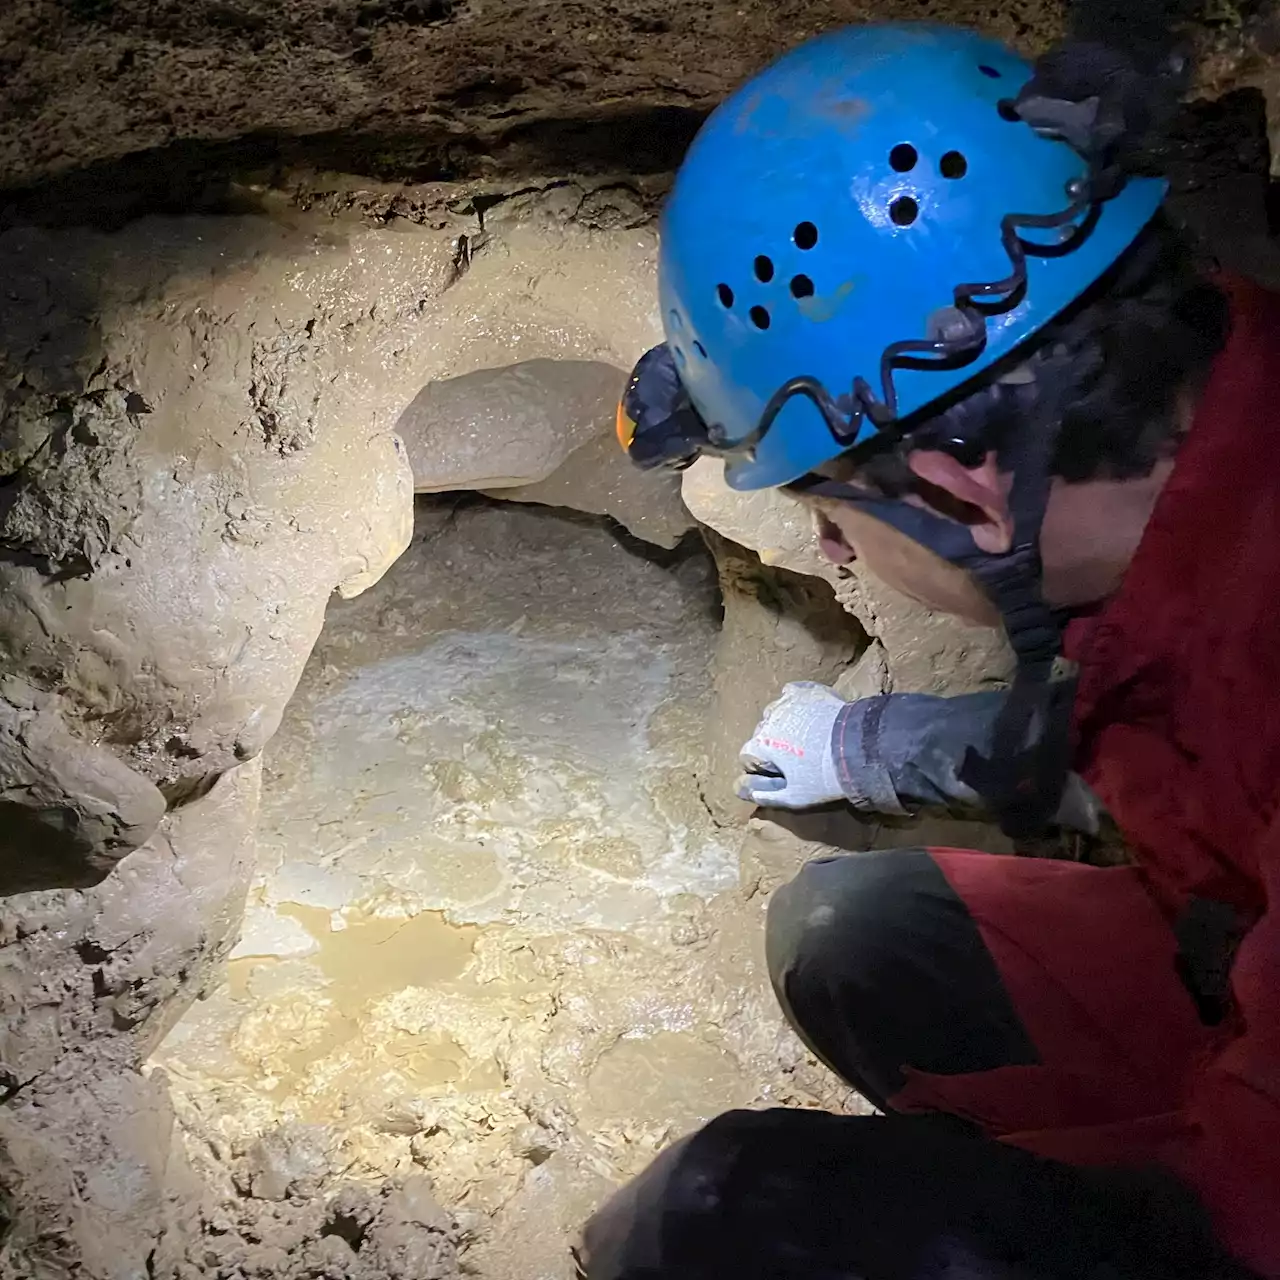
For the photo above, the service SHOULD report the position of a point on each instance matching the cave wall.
(426, 90)
(189, 470)
(110, 108)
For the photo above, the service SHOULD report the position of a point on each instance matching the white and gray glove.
(789, 761)
(890, 754)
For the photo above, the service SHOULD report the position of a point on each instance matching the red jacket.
(1178, 717)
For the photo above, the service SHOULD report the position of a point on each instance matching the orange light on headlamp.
(625, 427)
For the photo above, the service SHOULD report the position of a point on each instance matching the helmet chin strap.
(1022, 779)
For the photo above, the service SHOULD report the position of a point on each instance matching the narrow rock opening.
(495, 926)
(493, 761)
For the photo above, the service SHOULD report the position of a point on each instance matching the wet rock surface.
(89, 982)
(597, 477)
(543, 432)
(779, 626)
(501, 428)
(186, 485)
(526, 955)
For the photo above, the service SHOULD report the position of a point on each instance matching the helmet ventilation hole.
(953, 165)
(902, 159)
(990, 72)
(760, 317)
(725, 294)
(764, 269)
(677, 321)
(700, 349)
(681, 358)
(805, 235)
(1007, 111)
(801, 287)
(904, 211)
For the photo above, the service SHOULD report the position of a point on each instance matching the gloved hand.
(789, 760)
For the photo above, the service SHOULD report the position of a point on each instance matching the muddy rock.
(497, 428)
(90, 1169)
(924, 651)
(918, 650)
(779, 626)
(193, 470)
(98, 1179)
(72, 809)
(291, 1160)
(115, 963)
(777, 528)
(543, 432)
(410, 1237)
(89, 981)
(348, 1232)
(598, 478)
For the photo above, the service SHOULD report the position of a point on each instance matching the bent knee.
(849, 911)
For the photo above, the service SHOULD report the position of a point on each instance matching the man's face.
(846, 533)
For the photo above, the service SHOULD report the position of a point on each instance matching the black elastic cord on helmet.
(966, 318)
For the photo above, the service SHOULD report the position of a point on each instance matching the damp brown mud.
(496, 934)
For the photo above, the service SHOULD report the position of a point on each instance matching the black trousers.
(877, 963)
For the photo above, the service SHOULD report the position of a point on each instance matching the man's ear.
(977, 495)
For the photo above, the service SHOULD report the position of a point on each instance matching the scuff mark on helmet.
(845, 111)
(823, 307)
(747, 114)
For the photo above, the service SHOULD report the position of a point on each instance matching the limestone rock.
(91, 1178)
(191, 473)
(776, 527)
(73, 809)
(117, 962)
(411, 1237)
(89, 982)
(540, 431)
(197, 446)
(498, 428)
(921, 650)
(867, 677)
(291, 1160)
(598, 478)
(924, 651)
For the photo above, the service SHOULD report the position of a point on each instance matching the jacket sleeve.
(901, 752)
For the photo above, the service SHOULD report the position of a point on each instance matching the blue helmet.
(833, 207)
